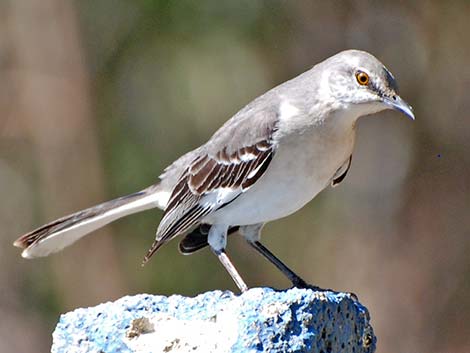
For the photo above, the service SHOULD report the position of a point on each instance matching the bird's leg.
(293, 277)
(217, 240)
(252, 234)
(225, 260)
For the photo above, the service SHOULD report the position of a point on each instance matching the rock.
(259, 320)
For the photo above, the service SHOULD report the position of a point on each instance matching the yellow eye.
(362, 78)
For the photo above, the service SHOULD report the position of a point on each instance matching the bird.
(265, 163)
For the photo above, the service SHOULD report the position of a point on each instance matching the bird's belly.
(295, 176)
(279, 197)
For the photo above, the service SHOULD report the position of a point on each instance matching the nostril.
(394, 98)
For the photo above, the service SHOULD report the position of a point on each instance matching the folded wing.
(229, 164)
(208, 184)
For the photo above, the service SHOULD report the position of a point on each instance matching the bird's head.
(356, 79)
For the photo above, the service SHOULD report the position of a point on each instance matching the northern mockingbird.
(266, 162)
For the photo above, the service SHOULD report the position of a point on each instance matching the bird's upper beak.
(395, 102)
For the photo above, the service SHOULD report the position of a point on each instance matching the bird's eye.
(362, 78)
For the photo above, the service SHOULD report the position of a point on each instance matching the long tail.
(64, 231)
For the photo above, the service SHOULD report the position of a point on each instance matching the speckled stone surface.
(260, 320)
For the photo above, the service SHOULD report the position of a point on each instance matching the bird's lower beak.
(396, 103)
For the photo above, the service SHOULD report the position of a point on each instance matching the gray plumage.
(264, 163)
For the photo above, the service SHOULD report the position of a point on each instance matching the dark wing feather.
(341, 172)
(236, 156)
(237, 171)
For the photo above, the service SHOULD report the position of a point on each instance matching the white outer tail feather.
(57, 241)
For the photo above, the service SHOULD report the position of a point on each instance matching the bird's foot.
(300, 283)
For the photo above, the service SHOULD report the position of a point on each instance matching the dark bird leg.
(293, 277)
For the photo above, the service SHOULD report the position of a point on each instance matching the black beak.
(396, 103)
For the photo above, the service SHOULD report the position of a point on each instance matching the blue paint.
(303, 322)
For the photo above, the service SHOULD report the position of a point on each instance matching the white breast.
(302, 166)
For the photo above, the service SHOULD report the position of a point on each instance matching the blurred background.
(97, 97)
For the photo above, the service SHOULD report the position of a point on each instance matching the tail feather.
(56, 235)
